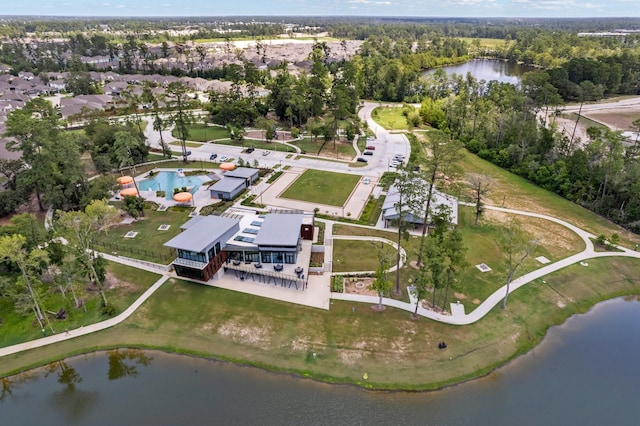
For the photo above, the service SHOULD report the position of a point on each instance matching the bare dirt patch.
(556, 238)
(616, 119)
(243, 333)
(359, 286)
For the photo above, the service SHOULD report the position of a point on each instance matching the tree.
(134, 206)
(518, 250)
(406, 189)
(25, 291)
(177, 102)
(381, 284)
(80, 229)
(480, 186)
(440, 166)
(53, 168)
(10, 169)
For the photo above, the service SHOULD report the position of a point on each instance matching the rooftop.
(279, 230)
(200, 231)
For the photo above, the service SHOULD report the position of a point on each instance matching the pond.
(167, 181)
(488, 69)
(584, 372)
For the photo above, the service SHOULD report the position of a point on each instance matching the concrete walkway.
(461, 318)
(82, 331)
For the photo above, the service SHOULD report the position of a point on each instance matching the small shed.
(248, 174)
(227, 188)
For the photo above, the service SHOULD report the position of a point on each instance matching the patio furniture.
(278, 267)
(258, 265)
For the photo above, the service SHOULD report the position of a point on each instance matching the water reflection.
(585, 372)
(67, 376)
(119, 365)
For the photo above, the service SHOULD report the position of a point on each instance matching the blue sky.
(441, 8)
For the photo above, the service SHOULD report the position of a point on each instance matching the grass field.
(390, 118)
(354, 255)
(342, 150)
(489, 43)
(203, 133)
(349, 339)
(258, 145)
(512, 191)
(322, 187)
(148, 244)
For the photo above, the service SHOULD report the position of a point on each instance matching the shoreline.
(578, 308)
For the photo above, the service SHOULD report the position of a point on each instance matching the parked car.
(213, 156)
(398, 157)
(371, 147)
(188, 153)
(265, 153)
(367, 153)
(250, 150)
(224, 158)
(366, 181)
(362, 160)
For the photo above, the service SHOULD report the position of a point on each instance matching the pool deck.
(201, 197)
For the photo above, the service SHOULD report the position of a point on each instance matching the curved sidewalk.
(496, 297)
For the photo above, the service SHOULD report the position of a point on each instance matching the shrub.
(108, 310)
(337, 284)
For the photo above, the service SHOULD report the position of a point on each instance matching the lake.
(585, 372)
(488, 69)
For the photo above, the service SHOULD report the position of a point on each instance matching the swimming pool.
(166, 181)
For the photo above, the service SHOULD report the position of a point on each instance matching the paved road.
(630, 103)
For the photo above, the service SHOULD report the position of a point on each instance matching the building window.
(289, 258)
(192, 255)
(266, 257)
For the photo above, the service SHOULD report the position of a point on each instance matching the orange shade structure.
(182, 197)
(125, 180)
(129, 192)
(227, 166)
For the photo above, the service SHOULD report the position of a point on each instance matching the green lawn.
(354, 255)
(339, 150)
(322, 187)
(390, 118)
(187, 144)
(489, 43)
(203, 133)
(148, 244)
(123, 286)
(351, 338)
(512, 191)
(258, 145)
(484, 245)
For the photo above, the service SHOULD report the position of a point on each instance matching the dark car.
(188, 153)
(362, 160)
(250, 150)
(213, 156)
(367, 153)
(371, 147)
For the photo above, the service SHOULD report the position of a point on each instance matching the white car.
(223, 158)
(366, 181)
(265, 153)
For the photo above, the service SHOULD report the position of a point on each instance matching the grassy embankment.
(350, 339)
